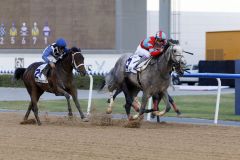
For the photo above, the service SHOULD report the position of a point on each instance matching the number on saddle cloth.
(131, 63)
(136, 63)
(38, 74)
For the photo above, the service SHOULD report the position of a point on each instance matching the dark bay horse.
(72, 59)
(153, 80)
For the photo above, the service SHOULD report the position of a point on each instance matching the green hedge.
(82, 82)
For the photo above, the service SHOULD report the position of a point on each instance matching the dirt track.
(59, 138)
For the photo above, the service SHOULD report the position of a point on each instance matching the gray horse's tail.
(102, 85)
(19, 73)
(108, 82)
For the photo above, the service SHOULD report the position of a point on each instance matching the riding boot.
(46, 70)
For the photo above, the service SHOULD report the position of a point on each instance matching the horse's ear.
(170, 43)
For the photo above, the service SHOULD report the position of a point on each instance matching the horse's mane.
(170, 42)
(73, 49)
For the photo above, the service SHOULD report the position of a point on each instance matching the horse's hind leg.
(28, 111)
(111, 102)
(34, 99)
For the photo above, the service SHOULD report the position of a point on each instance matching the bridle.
(177, 63)
(172, 56)
(74, 62)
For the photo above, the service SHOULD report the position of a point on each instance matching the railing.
(218, 76)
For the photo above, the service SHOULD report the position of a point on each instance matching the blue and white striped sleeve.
(47, 51)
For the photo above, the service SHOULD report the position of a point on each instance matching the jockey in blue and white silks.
(51, 55)
(54, 52)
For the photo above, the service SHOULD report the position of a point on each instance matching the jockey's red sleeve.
(155, 53)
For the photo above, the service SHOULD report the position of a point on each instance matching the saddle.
(135, 64)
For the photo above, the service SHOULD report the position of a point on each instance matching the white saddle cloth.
(39, 77)
(133, 61)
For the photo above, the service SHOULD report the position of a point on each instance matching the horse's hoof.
(153, 115)
(179, 115)
(85, 119)
(137, 116)
(130, 118)
(70, 117)
(141, 117)
(109, 111)
(157, 113)
(28, 121)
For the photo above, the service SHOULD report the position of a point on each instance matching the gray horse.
(153, 80)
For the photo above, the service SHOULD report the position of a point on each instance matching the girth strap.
(138, 79)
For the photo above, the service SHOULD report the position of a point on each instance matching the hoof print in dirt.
(29, 121)
(133, 124)
(101, 120)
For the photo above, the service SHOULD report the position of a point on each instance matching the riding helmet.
(161, 35)
(61, 42)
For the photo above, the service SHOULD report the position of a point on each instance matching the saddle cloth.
(133, 61)
(39, 77)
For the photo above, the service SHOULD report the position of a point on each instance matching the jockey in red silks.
(151, 46)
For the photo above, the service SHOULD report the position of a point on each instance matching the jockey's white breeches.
(142, 52)
(52, 59)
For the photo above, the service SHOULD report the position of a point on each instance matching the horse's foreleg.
(174, 105)
(62, 92)
(70, 114)
(77, 104)
(129, 102)
(136, 104)
(142, 109)
(168, 105)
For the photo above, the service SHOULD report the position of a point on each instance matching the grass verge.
(191, 106)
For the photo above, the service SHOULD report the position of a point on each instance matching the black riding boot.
(46, 70)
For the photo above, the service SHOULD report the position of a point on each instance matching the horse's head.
(176, 57)
(78, 60)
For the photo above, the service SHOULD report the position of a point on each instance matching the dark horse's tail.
(19, 73)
